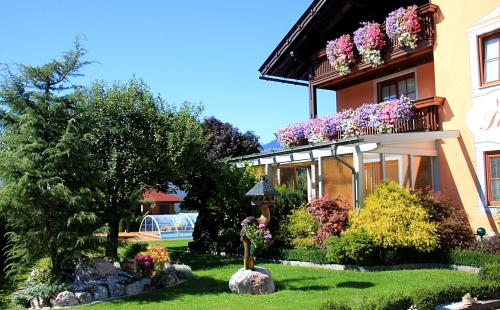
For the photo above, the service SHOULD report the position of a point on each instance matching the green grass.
(297, 287)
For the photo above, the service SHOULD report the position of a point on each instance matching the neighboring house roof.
(157, 196)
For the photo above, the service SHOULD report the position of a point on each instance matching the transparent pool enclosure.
(169, 226)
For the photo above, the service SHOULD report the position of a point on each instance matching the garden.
(75, 160)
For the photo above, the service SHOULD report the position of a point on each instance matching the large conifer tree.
(47, 193)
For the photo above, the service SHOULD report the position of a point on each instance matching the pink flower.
(262, 226)
(147, 264)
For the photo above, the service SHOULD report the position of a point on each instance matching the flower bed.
(370, 117)
(403, 25)
(369, 40)
(340, 53)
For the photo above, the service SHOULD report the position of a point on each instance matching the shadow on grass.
(355, 284)
(195, 286)
(202, 261)
(311, 288)
(7, 287)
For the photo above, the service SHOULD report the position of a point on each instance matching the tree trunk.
(112, 242)
(55, 259)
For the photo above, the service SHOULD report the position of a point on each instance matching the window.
(492, 161)
(394, 88)
(489, 58)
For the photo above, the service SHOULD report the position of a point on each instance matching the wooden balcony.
(324, 76)
(426, 118)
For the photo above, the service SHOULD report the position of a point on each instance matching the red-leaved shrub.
(453, 226)
(331, 214)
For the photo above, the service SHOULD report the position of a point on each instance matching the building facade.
(452, 141)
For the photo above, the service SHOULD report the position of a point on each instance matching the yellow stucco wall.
(453, 81)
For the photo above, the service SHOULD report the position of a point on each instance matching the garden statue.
(263, 195)
(254, 234)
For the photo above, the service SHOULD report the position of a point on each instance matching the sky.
(206, 52)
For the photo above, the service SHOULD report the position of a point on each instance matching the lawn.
(297, 287)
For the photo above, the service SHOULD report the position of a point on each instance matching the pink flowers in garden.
(340, 53)
(347, 123)
(403, 25)
(259, 235)
(144, 264)
(369, 40)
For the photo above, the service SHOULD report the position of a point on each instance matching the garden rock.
(165, 279)
(257, 281)
(183, 272)
(101, 293)
(65, 299)
(137, 287)
(83, 297)
(94, 269)
(37, 303)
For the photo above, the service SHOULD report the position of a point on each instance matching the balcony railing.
(323, 73)
(426, 118)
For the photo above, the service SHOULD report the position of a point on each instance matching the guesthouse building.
(444, 63)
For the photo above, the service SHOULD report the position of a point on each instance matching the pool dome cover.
(168, 224)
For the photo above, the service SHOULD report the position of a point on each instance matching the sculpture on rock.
(263, 195)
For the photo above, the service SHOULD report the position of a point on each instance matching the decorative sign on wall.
(484, 117)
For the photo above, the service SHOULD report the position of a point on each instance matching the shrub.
(352, 247)
(487, 245)
(131, 250)
(42, 291)
(472, 258)
(490, 272)
(394, 219)
(452, 224)
(331, 214)
(218, 225)
(286, 202)
(299, 228)
(317, 256)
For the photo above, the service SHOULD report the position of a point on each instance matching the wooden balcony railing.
(425, 118)
(323, 74)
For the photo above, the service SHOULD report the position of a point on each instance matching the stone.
(94, 269)
(183, 272)
(164, 279)
(65, 299)
(83, 297)
(37, 303)
(138, 286)
(257, 281)
(100, 293)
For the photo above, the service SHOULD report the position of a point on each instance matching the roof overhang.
(414, 143)
(322, 21)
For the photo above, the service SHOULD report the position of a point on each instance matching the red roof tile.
(156, 196)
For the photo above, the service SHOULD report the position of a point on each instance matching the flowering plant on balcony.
(340, 53)
(369, 40)
(380, 117)
(403, 25)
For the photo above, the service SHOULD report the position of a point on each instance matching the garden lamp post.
(262, 195)
(481, 232)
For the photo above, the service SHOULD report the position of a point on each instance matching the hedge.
(423, 299)
(454, 257)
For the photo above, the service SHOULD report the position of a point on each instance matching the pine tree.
(48, 192)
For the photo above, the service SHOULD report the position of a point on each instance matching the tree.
(221, 206)
(140, 143)
(48, 191)
(227, 141)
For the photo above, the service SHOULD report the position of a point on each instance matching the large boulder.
(138, 287)
(65, 299)
(94, 269)
(100, 293)
(183, 272)
(257, 281)
(83, 297)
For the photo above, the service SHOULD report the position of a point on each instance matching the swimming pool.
(169, 226)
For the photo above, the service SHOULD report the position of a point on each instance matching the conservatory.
(169, 226)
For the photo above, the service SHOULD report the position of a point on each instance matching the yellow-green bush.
(299, 228)
(394, 219)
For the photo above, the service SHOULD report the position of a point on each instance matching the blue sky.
(197, 51)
